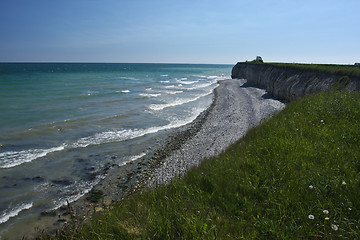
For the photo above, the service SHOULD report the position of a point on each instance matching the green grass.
(345, 70)
(268, 185)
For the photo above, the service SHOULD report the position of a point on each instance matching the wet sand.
(236, 108)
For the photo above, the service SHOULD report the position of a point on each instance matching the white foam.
(128, 78)
(125, 91)
(89, 93)
(177, 102)
(187, 82)
(150, 94)
(173, 92)
(127, 134)
(170, 86)
(204, 85)
(12, 158)
(85, 188)
(104, 137)
(14, 212)
(167, 81)
(133, 158)
(164, 75)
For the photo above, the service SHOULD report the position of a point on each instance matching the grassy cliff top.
(337, 69)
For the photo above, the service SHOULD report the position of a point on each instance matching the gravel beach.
(237, 107)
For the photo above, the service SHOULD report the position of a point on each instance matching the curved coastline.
(235, 109)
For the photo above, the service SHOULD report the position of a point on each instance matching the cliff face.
(291, 83)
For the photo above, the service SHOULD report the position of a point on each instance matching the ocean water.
(62, 124)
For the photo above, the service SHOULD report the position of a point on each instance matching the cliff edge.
(290, 83)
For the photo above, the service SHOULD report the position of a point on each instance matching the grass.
(294, 177)
(343, 70)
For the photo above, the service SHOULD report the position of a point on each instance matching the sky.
(180, 31)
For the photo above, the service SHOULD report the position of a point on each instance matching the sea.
(62, 123)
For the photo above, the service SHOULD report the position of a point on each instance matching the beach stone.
(63, 182)
(38, 179)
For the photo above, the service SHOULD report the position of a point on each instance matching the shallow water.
(61, 125)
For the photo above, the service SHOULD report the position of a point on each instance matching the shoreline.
(234, 110)
(120, 182)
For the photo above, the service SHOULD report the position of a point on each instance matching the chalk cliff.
(289, 83)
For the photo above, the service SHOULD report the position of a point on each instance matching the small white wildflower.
(322, 121)
(350, 208)
(327, 219)
(334, 227)
(311, 186)
(343, 182)
(326, 211)
(311, 217)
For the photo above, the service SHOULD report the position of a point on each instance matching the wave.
(173, 92)
(124, 91)
(70, 197)
(204, 85)
(89, 93)
(164, 75)
(128, 134)
(14, 212)
(213, 77)
(149, 94)
(12, 158)
(133, 158)
(167, 81)
(178, 102)
(187, 82)
(127, 78)
(170, 86)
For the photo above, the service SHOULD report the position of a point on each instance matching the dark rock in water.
(48, 213)
(38, 179)
(91, 176)
(113, 157)
(94, 196)
(63, 182)
(89, 169)
(80, 160)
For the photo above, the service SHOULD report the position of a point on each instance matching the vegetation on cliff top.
(294, 177)
(344, 70)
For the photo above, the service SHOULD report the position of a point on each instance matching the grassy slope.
(266, 186)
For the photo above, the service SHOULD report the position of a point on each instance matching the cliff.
(290, 83)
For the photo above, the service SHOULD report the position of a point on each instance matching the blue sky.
(186, 31)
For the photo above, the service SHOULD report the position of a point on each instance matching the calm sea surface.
(61, 124)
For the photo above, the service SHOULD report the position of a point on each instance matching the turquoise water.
(62, 124)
